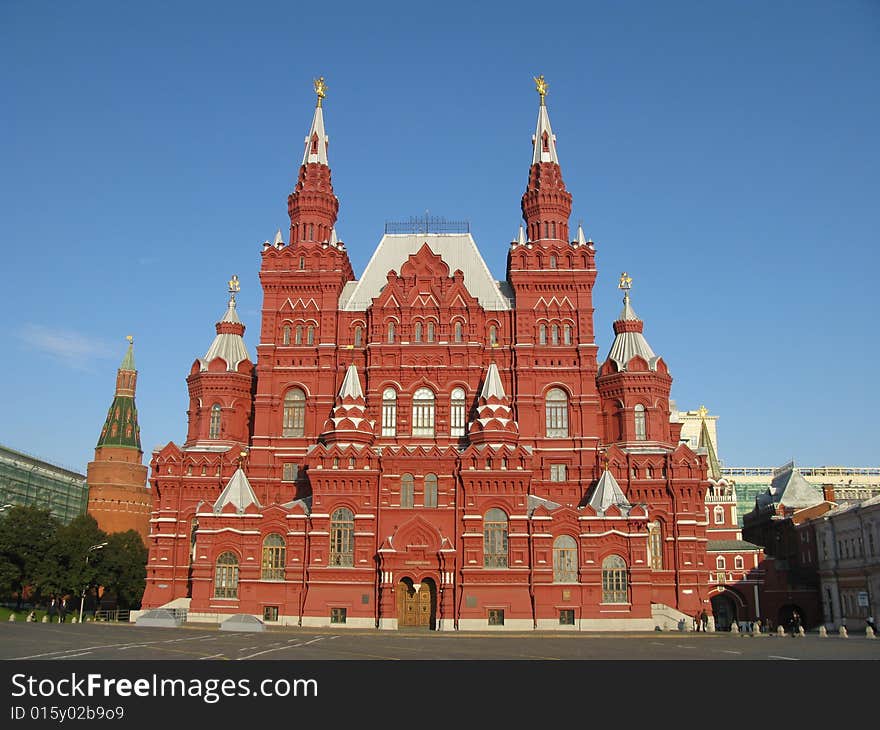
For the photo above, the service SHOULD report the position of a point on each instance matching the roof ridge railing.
(426, 224)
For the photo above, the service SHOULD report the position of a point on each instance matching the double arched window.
(495, 539)
(423, 413)
(564, 560)
(226, 576)
(216, 416)
(614, 580)
(342, 538)
(294, 413)
(389, 412)
(557, 413)
(272, 564)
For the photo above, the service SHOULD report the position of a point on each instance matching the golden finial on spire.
(130, 339)
(702, 411)
(320, 89)
(541, 86)
(625, 282)
(234, 286)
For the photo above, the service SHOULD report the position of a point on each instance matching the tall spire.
(706, 443)
(312, 206)
(348, 422)
(546, 204)
(121, 425)
(544, 141)
(316, 140)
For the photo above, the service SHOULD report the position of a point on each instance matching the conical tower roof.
(229, 342)
(121, 425)
(629, 341)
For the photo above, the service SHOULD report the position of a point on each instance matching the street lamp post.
(82, 599)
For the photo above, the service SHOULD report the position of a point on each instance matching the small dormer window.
(315, 144)
(545, 142)
(553, 257)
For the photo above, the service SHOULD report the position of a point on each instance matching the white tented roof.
(238, 492)
(227, 345)
(458, 251)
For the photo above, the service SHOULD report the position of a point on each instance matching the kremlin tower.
(118, 497)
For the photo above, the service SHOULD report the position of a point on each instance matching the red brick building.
(426, 446)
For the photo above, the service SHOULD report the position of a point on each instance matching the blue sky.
(724, 154)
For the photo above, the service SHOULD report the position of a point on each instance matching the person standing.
(704, 620)
(53, 609)
(62, 609)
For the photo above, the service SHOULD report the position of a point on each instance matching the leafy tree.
(124, 568)
(69, 566)
(25, 535)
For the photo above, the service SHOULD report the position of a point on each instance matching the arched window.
(493, 335)
(407, 491)
(738, 562)
(655, 546)
(358, 336)
(554, 335)
(542, 334)
(457, 412)
(459, 334)
(614, 582)
(310, 336)
(430, 331)
(564, 560)
(342, 538)
(566, 335)
(552, 256)
(391, 333)
(285, 336)
(214, 428)
(417, 335)
(226, 576)
(294, 413)
(272, 565)
(423, 413)
(720, 562)
(298, 338)
(641, 433)
(389, 412)
(557, 413)
(719, 514)
(495, 539)
(430, 490)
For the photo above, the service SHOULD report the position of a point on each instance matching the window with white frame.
(407, 491)
(430, 490)
(614, 580)
(557, 473)
(389, 412)
(719, 515)
(457, 412)
(557, 413)
(294, 413)
(495, 539)
(641, 431)
(423, 413)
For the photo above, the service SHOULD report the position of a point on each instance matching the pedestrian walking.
(53, 609)
(704, 620)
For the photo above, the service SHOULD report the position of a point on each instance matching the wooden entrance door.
(414, 606)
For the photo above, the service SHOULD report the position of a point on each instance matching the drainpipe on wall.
(531, 566)
(459, 559)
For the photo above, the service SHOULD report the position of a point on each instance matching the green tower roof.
(121, 427)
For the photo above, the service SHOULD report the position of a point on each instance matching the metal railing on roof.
(427, 224)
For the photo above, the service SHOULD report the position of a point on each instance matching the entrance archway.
(417, 604)
(724, 611)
